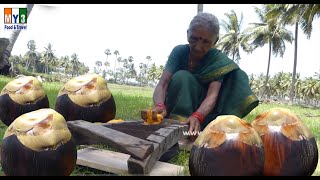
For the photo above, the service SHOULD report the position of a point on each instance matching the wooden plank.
(184, 142)
(104, 160)
(170, 122)
(117, 163)
(181, 129)
(172, 127)
(90, 133)
(185, 127)
(164, 132)
(166, 169)
(163, 139)
(156, 139)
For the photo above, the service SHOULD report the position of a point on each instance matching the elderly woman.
(200, 82)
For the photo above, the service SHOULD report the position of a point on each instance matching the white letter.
(7, 18)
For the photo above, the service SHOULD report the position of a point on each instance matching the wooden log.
(117, 163)
(136, 166)
(172, 122)
(163, 139)
(185, 142)
(84, 132)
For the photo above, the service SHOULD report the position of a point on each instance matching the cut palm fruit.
(115, 121)
(150, 117)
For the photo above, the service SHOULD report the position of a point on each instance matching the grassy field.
(130, 100)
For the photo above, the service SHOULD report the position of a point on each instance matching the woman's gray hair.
(207, 20)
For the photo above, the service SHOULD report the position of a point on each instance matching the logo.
(15, 18)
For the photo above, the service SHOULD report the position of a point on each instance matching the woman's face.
(200, 40)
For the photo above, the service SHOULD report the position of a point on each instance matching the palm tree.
(4, 56)
(116, 52)
(65, 63)
(75, 64)
(159, 72)
(132, 73)
(230, 42)
(107, 52)
(48, 58)
(98, 64)
(32, 55)
(83, 69)
(268, 32)
(106, 63)
(310, 89)
(152, 73)
(148, 60)
(142, 74)
(296, 14)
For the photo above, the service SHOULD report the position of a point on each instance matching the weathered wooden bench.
(140, 146)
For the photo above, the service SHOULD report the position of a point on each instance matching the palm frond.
(278, 47)
(259, 24)
(260, 14)
(225, 25)
(230, 42)
(308, 12)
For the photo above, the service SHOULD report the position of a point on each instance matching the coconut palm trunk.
(268, 69)
(200, 8)
(4, 61)
(292, 91)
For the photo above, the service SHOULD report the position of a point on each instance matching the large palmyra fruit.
(38, 143)
(21, 95)
(228, 146)
(86, 97)
(289, 146)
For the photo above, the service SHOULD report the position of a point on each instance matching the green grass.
(129, 100)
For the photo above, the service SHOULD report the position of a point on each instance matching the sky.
(142, 30)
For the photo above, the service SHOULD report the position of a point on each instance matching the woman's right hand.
(160, 110)
(159, 94)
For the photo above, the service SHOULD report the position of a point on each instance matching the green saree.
(187, 89)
